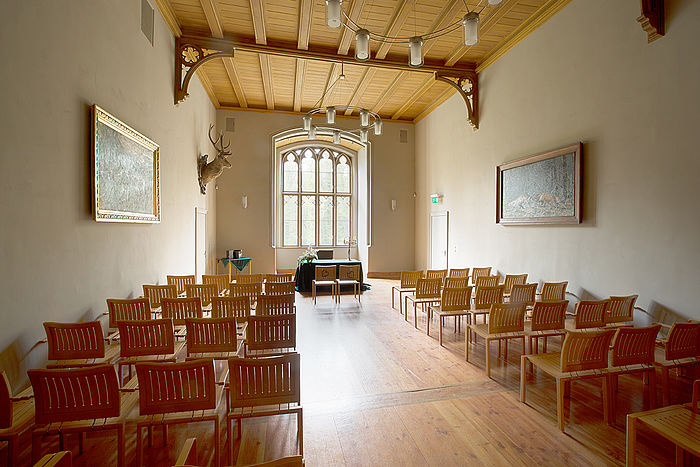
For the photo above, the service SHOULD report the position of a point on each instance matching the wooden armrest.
(42, 341)
(663, 325)
(570, 313)
(22, 398)
(566, 292)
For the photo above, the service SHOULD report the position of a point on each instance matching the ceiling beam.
(397, 22)
(235, 81)
(267, 80)
(211, 12)
(360, 89)
(304, 32)
(257, 10)
(347, 35)
(299, 84)
(447, 17)
(169, 16)
(427, 84)
(389, 91)
(333, 75)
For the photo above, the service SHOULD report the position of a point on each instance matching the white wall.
(586, 75)
(57, 263)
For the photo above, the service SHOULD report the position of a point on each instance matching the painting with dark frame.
(540, 189)
(125, 172)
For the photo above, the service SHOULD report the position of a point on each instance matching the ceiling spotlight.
(336, 137)
(378, 127)
(330, 115)
(307, 122)
(415, 51)
(362, 44)
(334, 10)
(312, 132)
(364, 135)
(364, 117)
(470, 23)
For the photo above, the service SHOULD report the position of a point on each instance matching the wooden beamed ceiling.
(265, 76)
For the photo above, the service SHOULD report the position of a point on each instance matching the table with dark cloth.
(306, 272)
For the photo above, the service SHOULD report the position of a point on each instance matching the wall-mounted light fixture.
(393, 205)
(244, 201)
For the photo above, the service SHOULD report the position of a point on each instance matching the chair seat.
(405, 289)
(346, 281)
(263, 410)
(482, 330)
(179, 346)
(181, 417)
(424, 300)
(111, 355)
(323, 282)
(436, 310)
(22, 418)
(550, 364)
(660, 359)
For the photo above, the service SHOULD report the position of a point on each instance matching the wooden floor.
(376, 391)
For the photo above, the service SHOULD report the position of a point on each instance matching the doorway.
(200, 242)
(438, 239)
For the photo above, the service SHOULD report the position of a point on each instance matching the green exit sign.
(435, 198)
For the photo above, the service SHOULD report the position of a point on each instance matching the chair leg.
(488, 357)
(607, 401)
(300, 431)
(652, 387)
(392, 299)
(523, 377)
(313, 292)
(630, 458)
(81, 435)
(217, 441)
(120, 446)
(427, 324)
(13, 451)
(36, 447)
(560, 404)
(139, 447)
(505, 350)
(415, 315)
(665, 386)
(440, 323)
(165, 435)
(467, 336)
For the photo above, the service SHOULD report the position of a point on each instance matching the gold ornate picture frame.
(125, 172)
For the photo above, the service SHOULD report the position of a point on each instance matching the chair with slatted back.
(261, 387)
(287, 277)
(280, 288)
(407, 285)
(177, 393)
(231, 307)
(252, 291)
(16, 417)
(188, 458)
(620, 310)
(478, 272)
(324, 276)
(215, 338)
(427, 293)
(488, 281)
(553, 291)
(589, 314)
(512, 279)
(436, 274)
(459, 273)
(633, 352)
(147, 341)
(250, 278)
(73, 345)
(454, 303)
(525, 294)
(548, 320)
(456, 282)
(126, 309)
(506, 322)
(78, 400)
(56, 459)
(220, 280)
(484, 297)
(349, 276)
(179, 309)
(584, 355)
(276, 305)
(680, 349)
(205, 292)
(155, 293)
(180, 282)
(270, 335)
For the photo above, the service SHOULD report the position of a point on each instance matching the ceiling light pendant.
(336, 137)
(364, 117)
(470, 23)
(378, 126)
(362, 44)
(415, 51)
(364, 135)
(312, 132)
(334, 10)
(330, 115)
(307, 122)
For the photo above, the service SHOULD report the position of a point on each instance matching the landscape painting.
(126, 178)
(540, 189)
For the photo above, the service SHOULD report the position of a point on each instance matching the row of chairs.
(222, 280)
(347, 275)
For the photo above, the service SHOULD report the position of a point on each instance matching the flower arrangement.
(308, 256)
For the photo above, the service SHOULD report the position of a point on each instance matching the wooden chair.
(584, 354)
(261, 387)
(180, 282)
(680, 349)
(177, 393)
(506, 321)
(454, 303)
(252, 291)
(280, 288)
(633, 352)
(147, 341)
(512, 279)
(323, 275)
(589, 314)
(279, 278)
(350, 276)
(525, 294)
(188, 458)
(276, 305)
(427, 293)
(250, 278)
(478, 272)
(215, 338)
(488, 281)
(459, 273)
(408, 282)
(548, 320)
(270, 335)
(483, 299)
(16, 417)
(553, 291)
(179, 309)
(620, 310)
(220, 280)
(205, 292)
(129, 309)
(56, 459)
(154, 294)
(436, 274)
(456, 282)
(226, 307)
(73, 345)
(76, 401)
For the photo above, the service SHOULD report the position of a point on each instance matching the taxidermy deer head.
(208, 171)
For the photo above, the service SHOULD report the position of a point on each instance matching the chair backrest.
(252, 291)
(523, 293)
(280, 288)
(456, 282)
(179, 309)
(128, 309)
(459, 272)
(428, 288)
(349, 273)
(250, 278)
(487, 296)
(265, 380)
(478, 272)
(279, 277)
(324, 254)
(152, 337)
(211, 335)
(180, 282)
(176, 387)
(554, 290)
(455, 299)
(220, 280)
(64, 395)
(590, 314)
(488, 281)
(585, 350)
(511, 279)
(324, 273)
(205, 292)
(634, 346)
(683, 341)
(271, 332)
(620, 309)
(226, 307)
(410, 278)
(506, 318)
(75, 340)
(436, 274)
(154, 293)
(5, 402)
(549, 316)
(276, 305)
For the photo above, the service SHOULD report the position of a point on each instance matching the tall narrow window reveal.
(316, 197)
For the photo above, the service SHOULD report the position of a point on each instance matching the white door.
(200, 240)
(438, 240)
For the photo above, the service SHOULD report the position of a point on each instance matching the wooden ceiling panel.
(190, 14)
(282, 70)
(315, 80)
(236, 17)
(282, 20)
(248, 67)
(320, 34)
(409, 83)
(220, 83)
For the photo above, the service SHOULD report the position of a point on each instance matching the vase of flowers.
(308, 256)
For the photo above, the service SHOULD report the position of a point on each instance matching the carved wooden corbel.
(652, 19)
(189, 57)
(468, 88)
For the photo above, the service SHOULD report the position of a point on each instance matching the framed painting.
(125, 172)
(540, 189)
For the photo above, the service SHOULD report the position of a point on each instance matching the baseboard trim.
(384, 275)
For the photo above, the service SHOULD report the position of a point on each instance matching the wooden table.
(247, 262)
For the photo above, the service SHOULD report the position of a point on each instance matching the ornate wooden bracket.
(652, 19)
(468, 88)
(189, 57)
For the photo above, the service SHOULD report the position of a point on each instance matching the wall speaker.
(403, 136)
(230, 124)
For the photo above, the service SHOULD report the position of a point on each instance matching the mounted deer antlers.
(208, 171)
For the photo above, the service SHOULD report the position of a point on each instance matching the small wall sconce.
(244, 201)
(393, 205)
